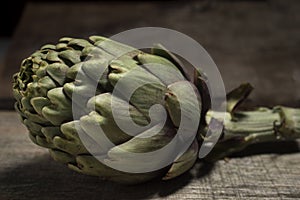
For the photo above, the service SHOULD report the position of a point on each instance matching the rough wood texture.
(250, 41)
(27, 172)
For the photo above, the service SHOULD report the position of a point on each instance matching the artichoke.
(100, 71)
(51, 76)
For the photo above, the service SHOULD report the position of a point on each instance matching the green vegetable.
(51, 76)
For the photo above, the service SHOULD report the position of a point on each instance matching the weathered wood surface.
(250, 41)
(27, 172)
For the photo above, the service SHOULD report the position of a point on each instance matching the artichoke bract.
(51, 76)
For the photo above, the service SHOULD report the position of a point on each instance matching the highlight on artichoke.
(96, 81)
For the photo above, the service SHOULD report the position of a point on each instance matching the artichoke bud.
(129, 103)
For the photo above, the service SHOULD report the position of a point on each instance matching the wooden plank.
(27, 172)
(251, 41)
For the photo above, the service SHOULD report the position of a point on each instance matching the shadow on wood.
(281, 147)
(46, 179)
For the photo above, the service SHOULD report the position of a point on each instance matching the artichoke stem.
(245, 128)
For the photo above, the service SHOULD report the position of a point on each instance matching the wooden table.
(27, 172)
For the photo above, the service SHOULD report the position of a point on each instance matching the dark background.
(250, 41)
